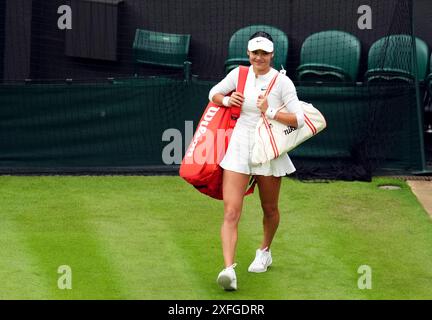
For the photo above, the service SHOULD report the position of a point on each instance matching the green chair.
(390, 59)
(162, 49)
(237, 49)
(329, 56)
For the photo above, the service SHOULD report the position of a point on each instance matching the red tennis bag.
(200, 165)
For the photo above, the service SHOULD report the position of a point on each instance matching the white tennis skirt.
(239, 154)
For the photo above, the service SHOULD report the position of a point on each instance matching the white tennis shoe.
(227, 278)
(262, 261)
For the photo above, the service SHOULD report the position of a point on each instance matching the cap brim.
(260, 43)
(263, 48)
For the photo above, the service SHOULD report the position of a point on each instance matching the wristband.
(225, 101)
(271, 113)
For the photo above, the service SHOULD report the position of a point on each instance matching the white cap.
(260, 43)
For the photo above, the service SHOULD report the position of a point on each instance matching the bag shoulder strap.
(267, 126)
(241, 83)
(271, 84)
(243, 73)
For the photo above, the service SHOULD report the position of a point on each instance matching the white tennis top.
(283, 92)
(238, 155)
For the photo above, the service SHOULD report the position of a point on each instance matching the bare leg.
(269, 188)
(234, 187)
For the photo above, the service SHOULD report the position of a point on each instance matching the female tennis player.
(236, 162)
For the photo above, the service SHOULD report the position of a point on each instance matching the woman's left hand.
(262, 103)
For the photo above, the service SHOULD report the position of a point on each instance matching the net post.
(187, 70)
(417, 88)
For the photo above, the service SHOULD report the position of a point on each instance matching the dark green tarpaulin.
(120, 124)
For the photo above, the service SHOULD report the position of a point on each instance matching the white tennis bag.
(273, 138)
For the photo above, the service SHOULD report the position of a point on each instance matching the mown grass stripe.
(51, 221)
(158, 238)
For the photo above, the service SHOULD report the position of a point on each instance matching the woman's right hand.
(236, 99)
